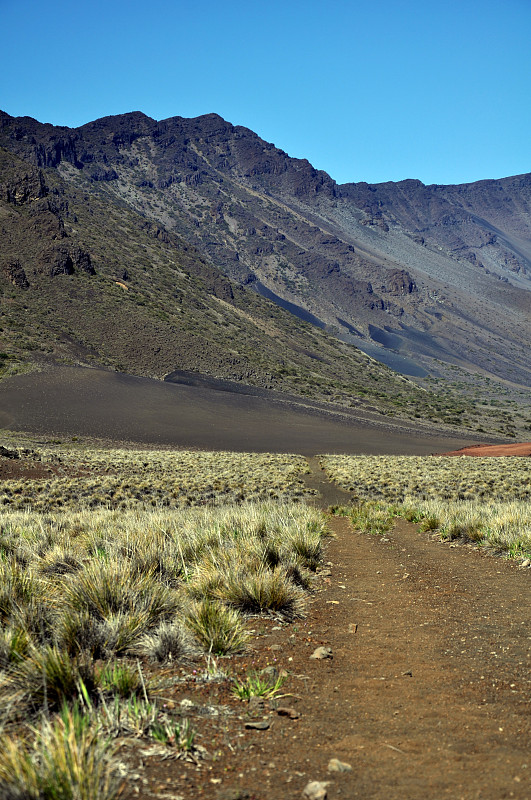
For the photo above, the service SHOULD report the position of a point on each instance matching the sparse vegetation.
(484, 500)
(127, 479)
(84, 594)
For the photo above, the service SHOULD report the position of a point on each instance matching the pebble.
(271, 672)
(260, 725)
(315, 790)
(284, 711)
(335, 765)
(526, 562)
(256, 705)
(322, 652)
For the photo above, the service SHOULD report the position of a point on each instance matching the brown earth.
(519, 449)
(426, 694)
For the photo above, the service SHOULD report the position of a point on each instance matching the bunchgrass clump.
(45, 678)
(218, 629)
(179, 735)
(69, 759)
(106, 589)
(123, 680)
(376, 518)
(265, 590)
(169, 642)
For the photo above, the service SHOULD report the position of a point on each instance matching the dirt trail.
(429, 697)
(427, 693)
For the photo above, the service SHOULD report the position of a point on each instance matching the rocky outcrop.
(65, 259)
(400, 283)
(14, 272)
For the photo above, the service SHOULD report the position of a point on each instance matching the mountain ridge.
(434, 274)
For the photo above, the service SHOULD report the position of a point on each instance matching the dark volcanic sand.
(70, 401)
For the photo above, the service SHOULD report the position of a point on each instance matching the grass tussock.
(69, 759)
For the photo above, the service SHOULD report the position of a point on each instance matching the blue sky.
(374, 91)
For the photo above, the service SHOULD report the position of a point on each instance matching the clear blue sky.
(372, 91)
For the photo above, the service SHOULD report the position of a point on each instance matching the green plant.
(14, 646)
(219, 630)
(121, 679)
(174, 734)
(132, 717)
(256, 685)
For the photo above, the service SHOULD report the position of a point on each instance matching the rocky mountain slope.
(175, 229)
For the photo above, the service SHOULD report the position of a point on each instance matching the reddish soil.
(519, 449)
(426, 695)
(32, 469)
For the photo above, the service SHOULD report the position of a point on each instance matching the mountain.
(154, 246)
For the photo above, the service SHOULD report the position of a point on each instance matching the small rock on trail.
(335, 765)
(321, 653)
(315, 790)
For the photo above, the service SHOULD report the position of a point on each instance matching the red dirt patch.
(29, 467)
(519, 449)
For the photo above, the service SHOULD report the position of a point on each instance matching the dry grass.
(393, 478)
(151, 582)
(128, 479)
(485, 500)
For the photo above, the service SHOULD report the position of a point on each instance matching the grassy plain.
(127, 479)
(89, 598)
(484, 500)
(119, 565)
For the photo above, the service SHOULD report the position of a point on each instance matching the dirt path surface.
(426, 695)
